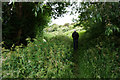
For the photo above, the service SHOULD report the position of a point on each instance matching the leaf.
(35, 14)
(41, 9)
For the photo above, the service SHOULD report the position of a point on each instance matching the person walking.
(75, 36)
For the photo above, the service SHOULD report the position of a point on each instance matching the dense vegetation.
(40, 59)
(23, 20)
(50, 54)
(100, 16)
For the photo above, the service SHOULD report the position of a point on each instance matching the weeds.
(53, 57)
(98, 58)
(39, 59)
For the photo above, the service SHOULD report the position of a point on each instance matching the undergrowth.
(53, 57)
(40, 59)
(98, 57)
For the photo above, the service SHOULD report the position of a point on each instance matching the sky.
(66, 19)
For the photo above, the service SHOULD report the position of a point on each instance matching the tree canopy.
(22, 20)
(100, 15)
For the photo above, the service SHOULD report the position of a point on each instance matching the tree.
(22, 20)
(103, 13)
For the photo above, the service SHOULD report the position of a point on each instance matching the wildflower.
(44, 40)
(29, 61)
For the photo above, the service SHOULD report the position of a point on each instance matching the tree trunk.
(19, 36)
(19, 14)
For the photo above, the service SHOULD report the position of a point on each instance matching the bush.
(99, 58)
(66, 24)
(96, 30)
(40, 59)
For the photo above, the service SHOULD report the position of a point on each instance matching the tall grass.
(40, 59)
(53, 57)
(98, 58)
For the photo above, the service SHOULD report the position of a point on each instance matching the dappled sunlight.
(43, 44)
(63, 35)
(64, 30)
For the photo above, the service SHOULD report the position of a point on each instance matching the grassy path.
(76, 62)
(77, 55)
(96, 57)
(53, 57)
(68, 40)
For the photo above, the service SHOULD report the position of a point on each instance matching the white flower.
(29, 61)
(44, 40)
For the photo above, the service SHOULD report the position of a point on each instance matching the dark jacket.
(75, 35)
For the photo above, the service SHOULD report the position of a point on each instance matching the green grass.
(98, 58)
(40, 59)
(0, 66)
(67, 32)
(53, 57)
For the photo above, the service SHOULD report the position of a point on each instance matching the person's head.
(74, 30)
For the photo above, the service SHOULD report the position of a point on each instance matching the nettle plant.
(111, 29)
(40, 59)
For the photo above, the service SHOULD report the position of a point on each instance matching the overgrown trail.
(76, 62)
(66, 39)
(77, 56)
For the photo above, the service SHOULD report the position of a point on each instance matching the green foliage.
(58, 8)
(54, 27)
(40, 59)
(111, 29)
(53, 57)
(22, 20)
(92, 13)
(98, 53)
(66, 24)
(18, 24)
(54, 30)
(98, 57)
(50, 57)
(96, 30)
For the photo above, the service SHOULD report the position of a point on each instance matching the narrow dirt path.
(77, 55)
(76, 62)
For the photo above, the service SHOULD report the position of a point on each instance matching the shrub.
(99, 58)
(40, 59)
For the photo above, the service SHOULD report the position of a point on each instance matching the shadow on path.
(84, 43)
(75, 60)
(65, 40)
